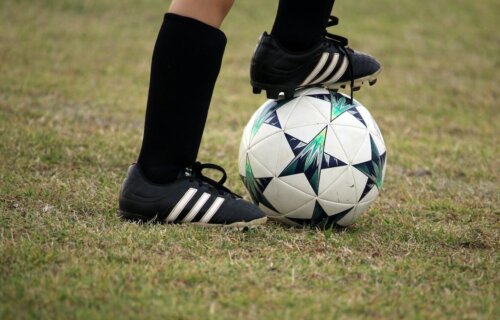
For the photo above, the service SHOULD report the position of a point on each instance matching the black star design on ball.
(268, 116)
(338, 105)
(256, 186)
(373, 169)
(310, 158)
(321, 219)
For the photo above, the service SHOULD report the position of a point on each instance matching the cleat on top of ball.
(330, 64)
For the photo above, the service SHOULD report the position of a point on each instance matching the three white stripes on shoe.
(316, 77)
(196, 208)
(181, 204)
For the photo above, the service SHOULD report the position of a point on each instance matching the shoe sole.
(239, 224)
(275, 92)
(371, 79)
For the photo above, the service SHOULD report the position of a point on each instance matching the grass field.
(73, 86)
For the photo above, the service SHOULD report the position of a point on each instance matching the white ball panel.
(360, 180)
(284, 155)
(245, 139)
(347, 119)
(259, 170)
(286, 110)
(339, 189)
(379, 143)
(379, 133)
(370, 122)
(364, 151)
(385, 168)
(351, 140)
(303, 212)
(330, 176)
(333, 146)
(362, 207)
(242, 160)
(300, 182)
(272, 193)
(284, 197)
(304, 114)
(354, 214)
(264, 132)
(371, 195)
(332, 208)
(367, 116)
(265, 154)
(347, 219)
(322, 106)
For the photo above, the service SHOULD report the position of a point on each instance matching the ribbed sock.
(186, 62)
(300, 24)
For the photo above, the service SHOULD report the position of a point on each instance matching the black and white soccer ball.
(315, 159)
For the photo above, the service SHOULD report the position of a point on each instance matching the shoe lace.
(343, 44)
(195, 174)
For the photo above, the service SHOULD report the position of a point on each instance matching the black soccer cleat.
(331, 64)
(192, 198)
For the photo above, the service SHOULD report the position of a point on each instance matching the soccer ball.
(315, 159)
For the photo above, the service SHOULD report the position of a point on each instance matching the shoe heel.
(257, 90)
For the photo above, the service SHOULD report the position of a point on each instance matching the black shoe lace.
(195, 174)
(342, 43)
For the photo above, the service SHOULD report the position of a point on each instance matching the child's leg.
(185, 65)
(186, 62)
(299, 24)
(209, 12)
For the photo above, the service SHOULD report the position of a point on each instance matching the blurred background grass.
(73, 87)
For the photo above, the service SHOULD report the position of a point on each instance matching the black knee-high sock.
(186, 62)
(299, 24)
